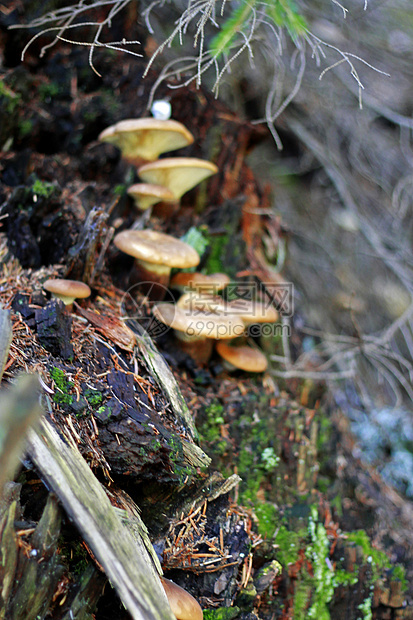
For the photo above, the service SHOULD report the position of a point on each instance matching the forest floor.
(315, 532)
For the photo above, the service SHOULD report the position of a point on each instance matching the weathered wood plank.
(84, 499)
(19, 410)
(5, 338)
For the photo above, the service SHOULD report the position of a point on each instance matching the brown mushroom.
(242, 357)
(183, 605)
(196, 330)
(155, 255)
(206, 284)
(253, 310)
(67, 290)
(179, 174)
(144, 139)
(146, 194)
(250, 311)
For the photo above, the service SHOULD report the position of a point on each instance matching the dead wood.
(19, 409)
(166, 381)
(128, 566)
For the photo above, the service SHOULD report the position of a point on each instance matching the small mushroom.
(242, 357)
(67, 290)
(196, 330)
(156, 254)
(144, 139)
(206, 284)
(179, 174)
(183, 605)
(146, 194)
(249, 311)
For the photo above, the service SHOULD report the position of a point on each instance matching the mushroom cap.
(199, 324)
(67, 288)
(200, 281)
(147, 138)
(157, 248)
(199, 300)
(248, 310)
(243, 357)
(183, 605)
(253, 310)
(146, 194)
(179, 174)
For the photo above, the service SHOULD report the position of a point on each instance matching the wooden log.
(5, 338)
(128, 567)
(19, 409)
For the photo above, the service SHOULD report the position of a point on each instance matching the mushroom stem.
(67, 300)
(153, 279)
(198, 348)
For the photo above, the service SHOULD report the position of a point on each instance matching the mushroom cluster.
(141, 142)
(201, 317)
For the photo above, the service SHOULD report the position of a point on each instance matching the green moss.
(10, 99)
(210, 429)
(376, 558)
(317, 579)
(196, 239)
(222, 613)
(289, 543)
(302, 597)
(180, 469)
(399, 573)
(120, 190)
(269, 459)
(217, 245)
(74, 555)
(62, 395)
(247, 596)
(325, 578)
(48, 91)
(365, 608)
(25, 128)
(93, 397)
(43, 188)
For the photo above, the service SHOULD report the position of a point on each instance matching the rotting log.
(30, 566)
(38, 574)
(9, 508)
(128, 567)
(86, 256)
(88, 591)
(166, 381)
